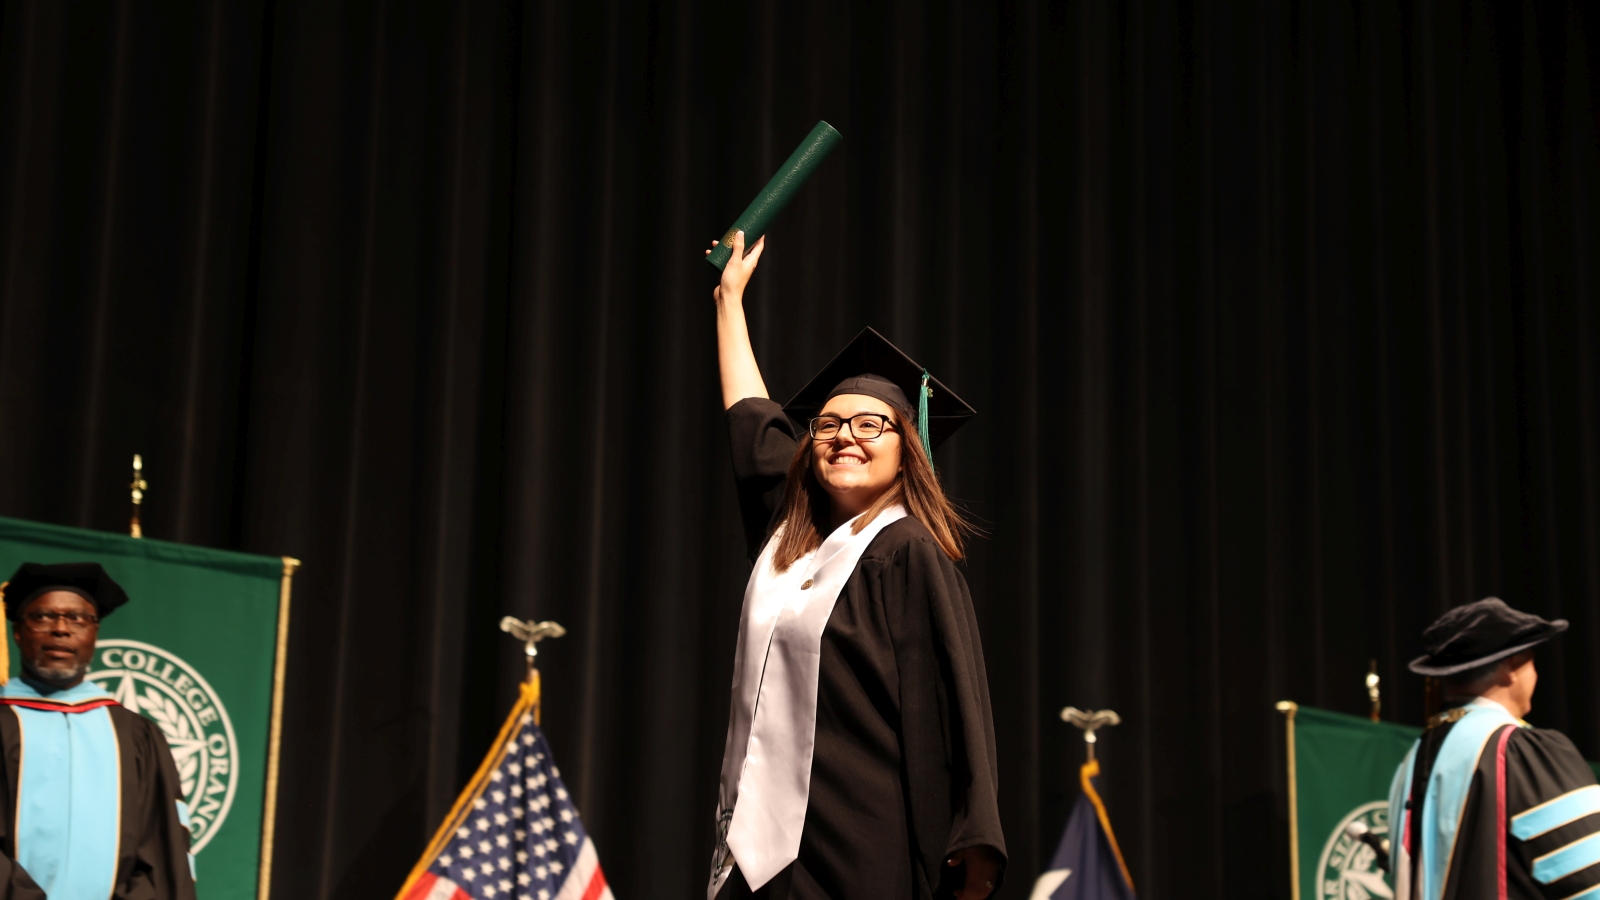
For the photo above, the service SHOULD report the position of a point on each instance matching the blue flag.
(1088, 864)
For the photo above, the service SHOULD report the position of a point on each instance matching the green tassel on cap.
(922, 416)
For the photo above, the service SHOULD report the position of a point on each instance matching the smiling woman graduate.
(860, 758)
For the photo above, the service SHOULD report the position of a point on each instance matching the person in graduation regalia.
(1485, 806)
(860, 758)
(90, 807)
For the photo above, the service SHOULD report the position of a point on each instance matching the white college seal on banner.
(168, 691)
(1348, 869)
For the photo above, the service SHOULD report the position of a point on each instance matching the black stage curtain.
(1281, 319)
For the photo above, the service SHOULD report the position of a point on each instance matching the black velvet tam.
(1478, 634)
(872, 366)
(86, 579)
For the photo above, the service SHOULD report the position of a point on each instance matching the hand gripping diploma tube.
(779, 191)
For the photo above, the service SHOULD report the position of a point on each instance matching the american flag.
(514, 834)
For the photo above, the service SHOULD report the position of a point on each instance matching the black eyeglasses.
(46, 621)
(863, 426)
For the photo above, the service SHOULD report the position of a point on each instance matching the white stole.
(772, 727)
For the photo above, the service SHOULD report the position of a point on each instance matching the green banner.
(1344, 766)
(195, 651)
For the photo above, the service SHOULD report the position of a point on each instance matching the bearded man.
(89, 806)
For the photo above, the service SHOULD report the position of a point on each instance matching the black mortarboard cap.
(1480, 633)
(871, 365)
(86, 579)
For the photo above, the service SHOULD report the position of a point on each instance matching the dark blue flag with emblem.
(514, 833)
(1088, 863)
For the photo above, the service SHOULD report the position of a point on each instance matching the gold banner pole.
(1289, 708)
(269, 813)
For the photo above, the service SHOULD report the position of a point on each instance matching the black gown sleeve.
(946, 724)
(762, 442)
(1545, 770)
(15, 882)
(156, 843)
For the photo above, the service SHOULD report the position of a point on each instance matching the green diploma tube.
(779, 191)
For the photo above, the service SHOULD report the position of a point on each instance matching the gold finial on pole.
(1090, 721)
(1373, 693)
(138, 487)
(530, 633)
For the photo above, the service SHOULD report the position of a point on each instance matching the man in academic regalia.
(1485, 805)
(89, 807)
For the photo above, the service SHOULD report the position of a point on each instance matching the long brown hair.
(806, 506)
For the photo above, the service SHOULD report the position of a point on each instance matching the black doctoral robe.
(903, 773)
(1540, 767)
(153, 845)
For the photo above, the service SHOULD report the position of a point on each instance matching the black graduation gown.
(1540, 766)
(903, 773)
(153, 860)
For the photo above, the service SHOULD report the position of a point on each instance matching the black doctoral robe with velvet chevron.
(1504, 847)
(153, 845)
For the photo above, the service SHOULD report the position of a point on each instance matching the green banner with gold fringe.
(1342, 767)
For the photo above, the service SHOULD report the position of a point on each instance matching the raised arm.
(741, 377)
